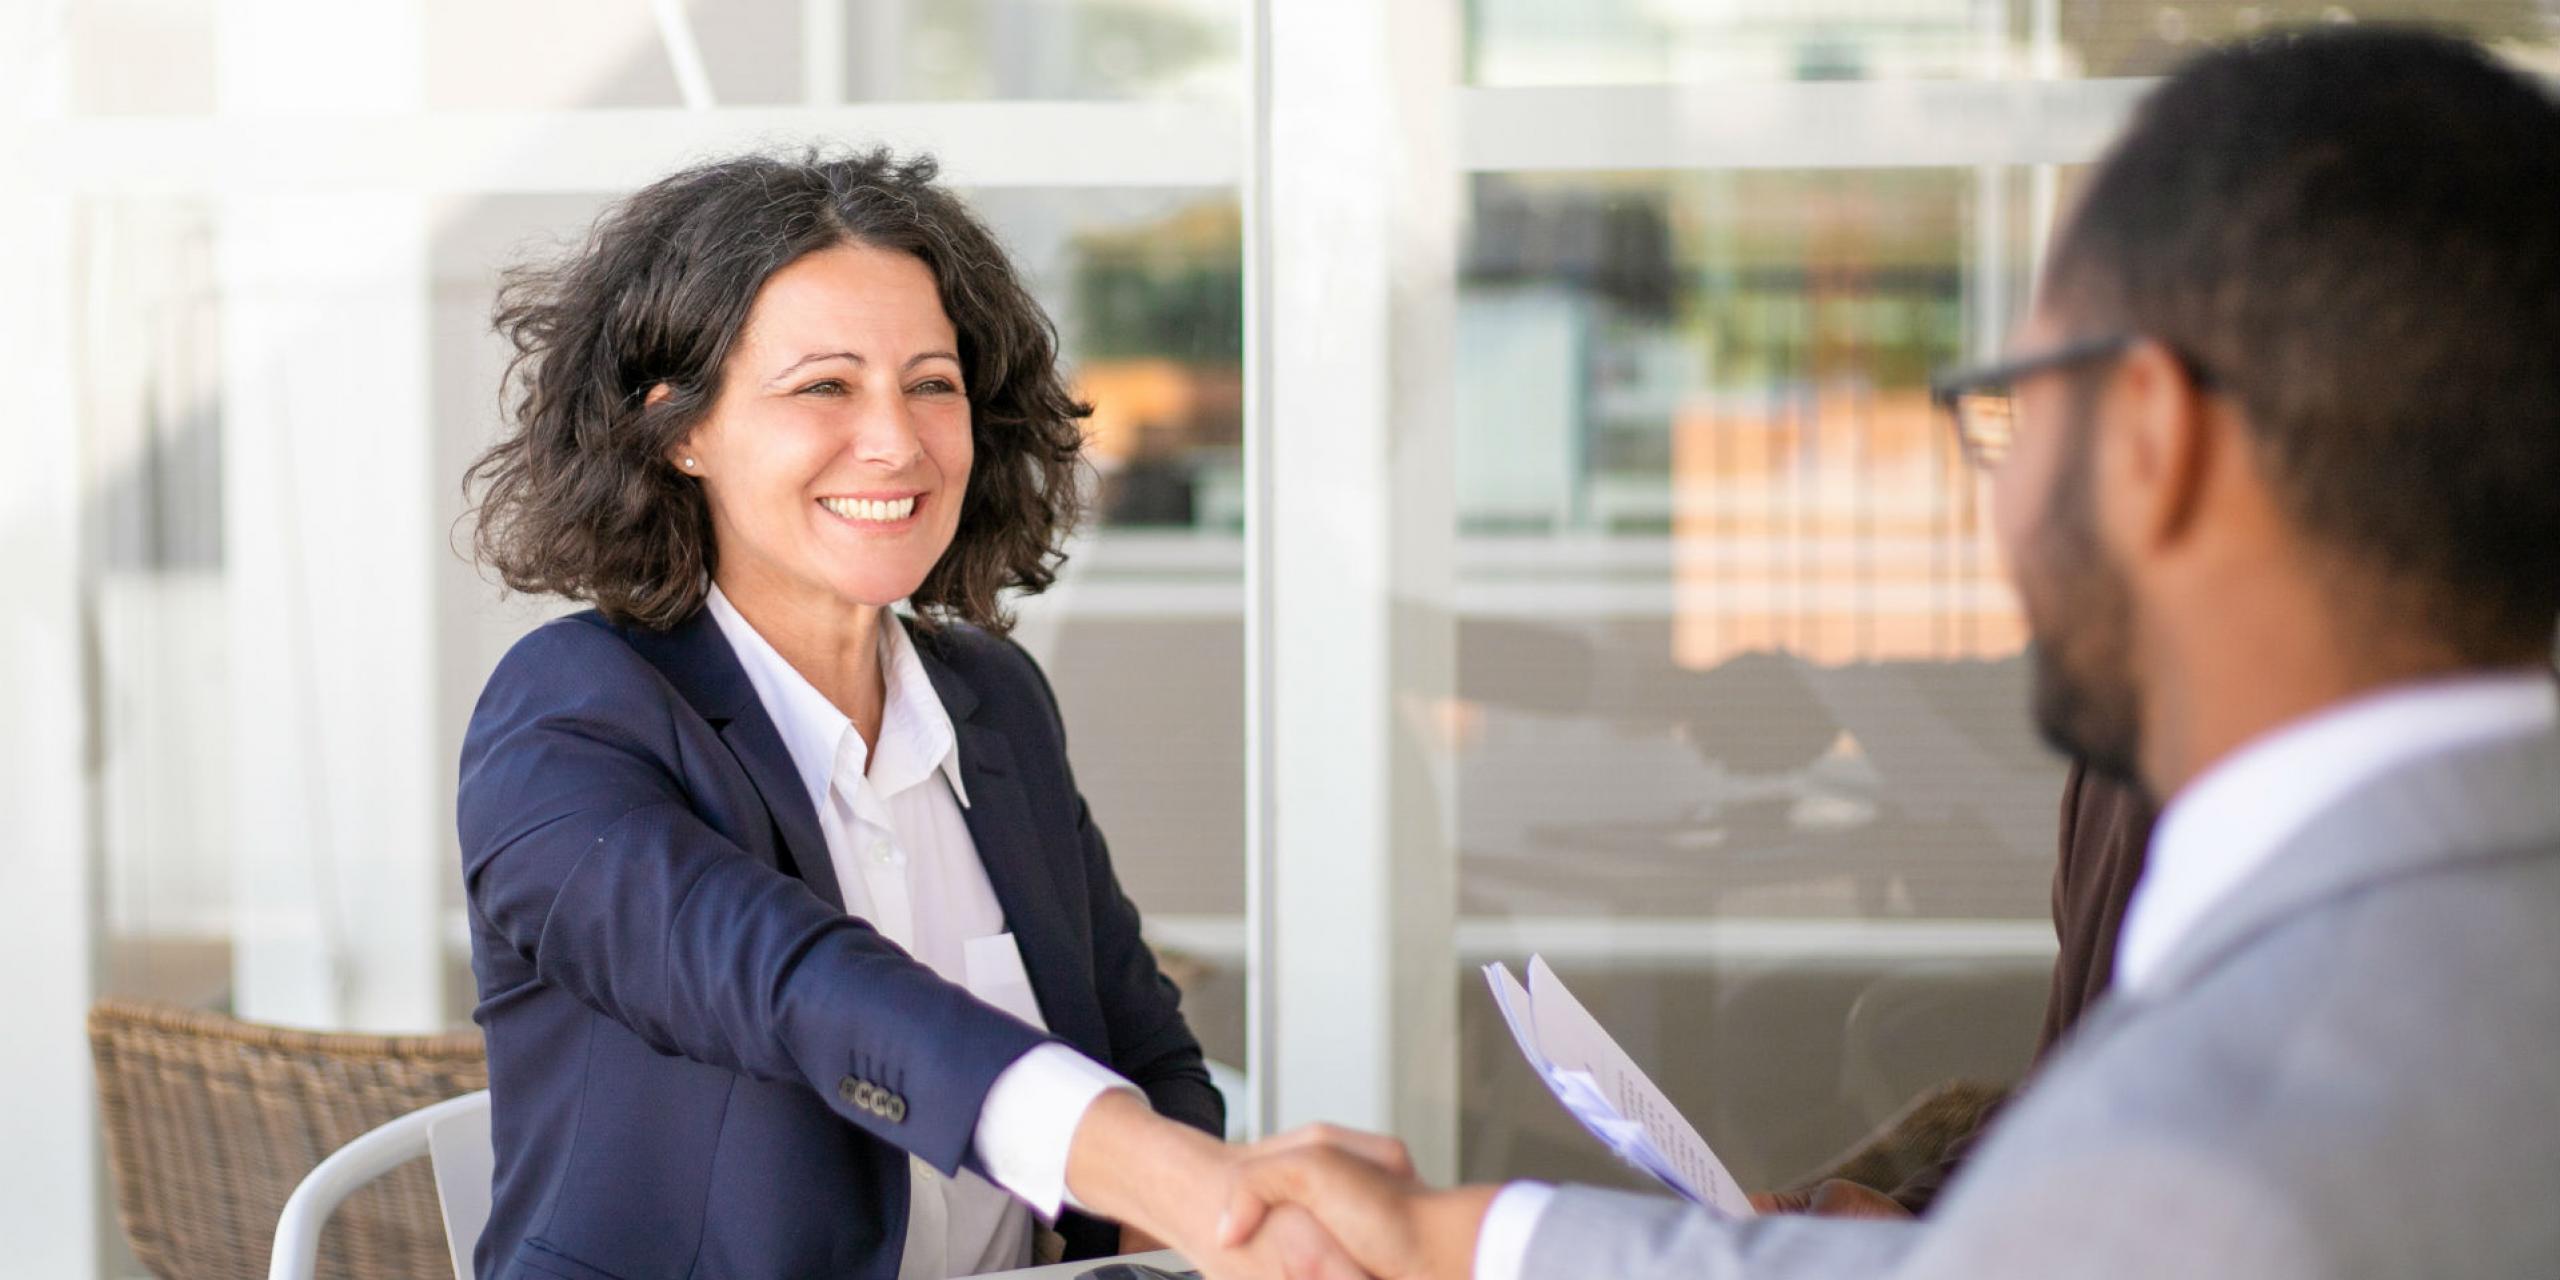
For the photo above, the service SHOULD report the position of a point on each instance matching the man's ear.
(2158, 451)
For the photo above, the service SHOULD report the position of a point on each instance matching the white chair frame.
(453, 1134)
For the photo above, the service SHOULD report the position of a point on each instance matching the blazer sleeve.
(1151, 1043)
(2138, 1212)
(1589, 1234)
(584, 855)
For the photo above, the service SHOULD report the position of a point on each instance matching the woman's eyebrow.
(812, 358)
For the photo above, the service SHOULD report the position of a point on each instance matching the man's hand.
(1292, 1245)
(1165, 1182)
(1393, 1227)
(1297, 1244)
(1833, 1198)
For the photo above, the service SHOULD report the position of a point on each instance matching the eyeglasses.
(1983, 400)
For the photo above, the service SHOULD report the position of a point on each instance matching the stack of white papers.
(1600, 1085)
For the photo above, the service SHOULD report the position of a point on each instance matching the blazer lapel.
(2489, 799)
(758, 745)
(1013, 848)
(695, 657)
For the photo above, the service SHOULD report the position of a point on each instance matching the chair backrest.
(211, 1123)
(465, 1163)
(383, 1150)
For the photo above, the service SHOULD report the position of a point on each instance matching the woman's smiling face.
(837, 453)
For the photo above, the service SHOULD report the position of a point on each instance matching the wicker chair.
(211, 1122)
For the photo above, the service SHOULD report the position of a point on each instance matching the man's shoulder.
(2384, 1045)
(2439, 958)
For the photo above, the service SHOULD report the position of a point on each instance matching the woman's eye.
(829, 387)
(936, 387)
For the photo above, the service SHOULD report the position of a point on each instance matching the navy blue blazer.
(699, 1064)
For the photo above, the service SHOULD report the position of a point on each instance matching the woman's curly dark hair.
(578, 499)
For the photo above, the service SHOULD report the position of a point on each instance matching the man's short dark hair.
(2355, 232)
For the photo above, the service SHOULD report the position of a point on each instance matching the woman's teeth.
(879, 510)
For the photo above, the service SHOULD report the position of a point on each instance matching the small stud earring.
(688, 464)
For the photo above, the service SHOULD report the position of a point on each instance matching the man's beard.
(2080, 618)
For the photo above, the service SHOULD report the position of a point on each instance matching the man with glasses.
(2278, 475)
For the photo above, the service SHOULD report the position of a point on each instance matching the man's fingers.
(1333, 1265)
(1393, 1156)
(1303, 1176)
(1264, 1182)
(1309, 1252)
(1325, 1261)
(1318, 1200)
(1385, 1152)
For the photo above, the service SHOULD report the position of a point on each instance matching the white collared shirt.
(905, 861)
(2225, 825)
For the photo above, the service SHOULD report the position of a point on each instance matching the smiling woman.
(798, 951)
(622, 351)
(836, 462)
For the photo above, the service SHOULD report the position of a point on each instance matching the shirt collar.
(2235, 817)
(916, 736)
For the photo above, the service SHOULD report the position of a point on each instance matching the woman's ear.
(680, 455)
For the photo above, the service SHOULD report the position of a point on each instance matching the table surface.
(1165, 1258)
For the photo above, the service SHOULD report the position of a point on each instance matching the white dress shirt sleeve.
(1029, 1119)
(1502, 1243)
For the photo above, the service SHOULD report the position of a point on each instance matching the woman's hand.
(1832, 1198)
(1391, 1225)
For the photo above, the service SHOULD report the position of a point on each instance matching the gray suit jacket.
(2350, 1068)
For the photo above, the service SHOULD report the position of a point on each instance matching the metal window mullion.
(980, 144)
(52, 1201)
(341, 822)
(1870, 124)
(1261, 931)
(1352, 248)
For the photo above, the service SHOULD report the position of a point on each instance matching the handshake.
(1319, 1203)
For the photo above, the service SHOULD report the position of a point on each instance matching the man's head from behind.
(2327, 455)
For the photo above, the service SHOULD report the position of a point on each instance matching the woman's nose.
(884, 434)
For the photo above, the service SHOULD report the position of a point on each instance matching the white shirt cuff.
(1029, 1119)
(1502, 1243)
